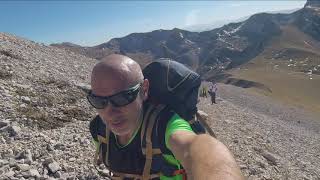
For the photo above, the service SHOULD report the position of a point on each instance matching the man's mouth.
(117, 124)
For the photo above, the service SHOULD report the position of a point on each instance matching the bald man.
(120, 95)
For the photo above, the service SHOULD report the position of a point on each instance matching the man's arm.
(204, 157)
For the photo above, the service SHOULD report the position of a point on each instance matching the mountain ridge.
(220, 49)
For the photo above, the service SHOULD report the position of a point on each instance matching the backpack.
(172, 86)
(177, 86)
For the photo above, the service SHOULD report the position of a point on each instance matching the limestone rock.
(53, 167)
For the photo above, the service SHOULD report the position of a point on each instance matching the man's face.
(122, 121)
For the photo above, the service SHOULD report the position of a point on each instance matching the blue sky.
(90, 23)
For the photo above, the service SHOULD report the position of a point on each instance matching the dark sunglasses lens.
(97, 102)
(119, 100)
(124, 98)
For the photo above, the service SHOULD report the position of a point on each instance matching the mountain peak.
(312, 4)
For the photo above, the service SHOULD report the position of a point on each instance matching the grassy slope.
(287, 85)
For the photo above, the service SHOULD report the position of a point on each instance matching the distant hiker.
(212, 92)
(140, 139)
(203, 91)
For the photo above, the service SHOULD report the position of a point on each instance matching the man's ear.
(145, 89)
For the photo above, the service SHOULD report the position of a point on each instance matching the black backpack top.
(175, 85)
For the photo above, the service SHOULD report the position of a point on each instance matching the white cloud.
(192, 18)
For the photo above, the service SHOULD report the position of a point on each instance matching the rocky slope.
(269, 140)
(43, 111)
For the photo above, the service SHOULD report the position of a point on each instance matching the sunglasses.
(117, 100)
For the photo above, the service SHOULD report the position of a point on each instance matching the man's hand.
(204, 157)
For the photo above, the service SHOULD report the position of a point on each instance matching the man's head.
(111, 78)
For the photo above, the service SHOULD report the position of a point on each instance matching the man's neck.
(123, 140)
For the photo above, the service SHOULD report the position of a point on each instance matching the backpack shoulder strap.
(146, 116)
(100, 134)
(157, 137)
(160, 128)
(107, 142)
(104, 140)
(149, 121)
(96, 127)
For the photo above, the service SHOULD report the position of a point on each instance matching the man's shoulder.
(97, 127)
(176, 123)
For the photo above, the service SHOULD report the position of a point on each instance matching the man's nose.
(110, 110)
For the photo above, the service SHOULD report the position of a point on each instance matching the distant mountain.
(220, 23)
(214, 50)
(213, 25)
(287, 11)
